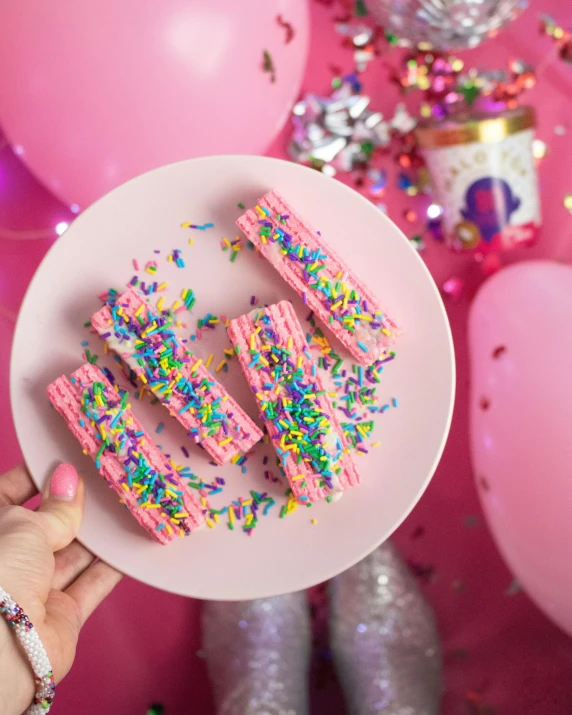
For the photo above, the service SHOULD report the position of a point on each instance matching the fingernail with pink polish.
(64, 482)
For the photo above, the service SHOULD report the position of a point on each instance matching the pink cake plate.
(144, 215)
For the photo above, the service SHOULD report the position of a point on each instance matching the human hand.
(57, 581)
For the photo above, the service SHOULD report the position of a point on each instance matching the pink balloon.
(10, 453)
(521, 415)
(94, 93)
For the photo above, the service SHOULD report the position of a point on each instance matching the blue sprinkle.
(363, 347)
(160, 427)
(394, 402)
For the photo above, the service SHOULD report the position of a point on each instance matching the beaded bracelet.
(34, 649)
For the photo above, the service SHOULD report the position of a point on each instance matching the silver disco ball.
(445, 24)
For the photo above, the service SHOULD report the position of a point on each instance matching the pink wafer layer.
(240, 433)
(289, 235)
(66, 396)
(306, 482)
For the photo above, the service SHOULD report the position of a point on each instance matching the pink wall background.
(501, 654)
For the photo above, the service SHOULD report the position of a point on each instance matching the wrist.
(16, 676)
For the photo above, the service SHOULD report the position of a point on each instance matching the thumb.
(62, 505)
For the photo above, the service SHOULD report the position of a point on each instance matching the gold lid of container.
(483, 127)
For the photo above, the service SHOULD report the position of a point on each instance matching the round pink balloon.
(521, 415)
(10, 453)
(93, 93)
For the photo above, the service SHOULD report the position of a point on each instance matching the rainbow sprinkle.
(105, 409)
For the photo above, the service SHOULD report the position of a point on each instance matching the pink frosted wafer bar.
(337, 296)
(99, 418)
(299, 417)
(142, 336)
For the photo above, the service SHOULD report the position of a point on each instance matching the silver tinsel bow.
(340, 132)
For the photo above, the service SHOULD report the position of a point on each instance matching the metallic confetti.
(288, 29)
(268, 65)
(562, 37)
(453, 288)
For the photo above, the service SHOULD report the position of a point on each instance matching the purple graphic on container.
(490, 203)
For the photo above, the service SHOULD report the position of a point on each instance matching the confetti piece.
(453, 288)
(288, 28)
(268, 65)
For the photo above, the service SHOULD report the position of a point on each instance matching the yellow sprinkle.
(170, 258)
(162, 286)
(182, 515)
(314, 521)
(209, 360)
(259, 211)
(169, 529)
(176, 304)
(196, 365)
(226, 242)
(289, 343)
(122, 484)
(385, 331)
(139, 310)
(228, 440)
(220, 366)
(300, 361)
(143, 378)
(191, 241)
(336, 305)
(160, 303)
(376, 444)
(248, 502)
(297, 477)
